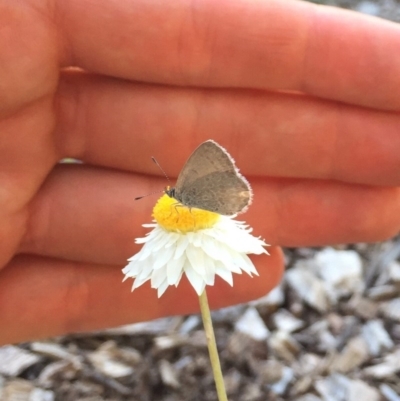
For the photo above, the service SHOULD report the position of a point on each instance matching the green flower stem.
(212, 347)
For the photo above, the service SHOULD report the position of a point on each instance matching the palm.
(312, 123)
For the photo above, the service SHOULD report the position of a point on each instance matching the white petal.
(138, 282)
(141, 240)
(160, 241)
(196, 259)
(158, 277)
(181, 247)
(209, 270)
(145, 271)
(134, 257)
(166, 241)
(146, 251)
(189, 236)
(247, 265)
(197, 239)
(132, 269)
(152, 235)
(231, 266)
(224, 273)
(174, 270)
(211, 248)
(195, 279)
(149, 225)
(179, 279)
(223, 250)
(162, 257)
(173, 239)
(161, 289)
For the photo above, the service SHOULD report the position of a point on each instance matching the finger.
(89, 215)
(290, 45)
(42, 297)
(29, 56)
(117, 124)
(27, 153)
(307, 213)
(29, 60)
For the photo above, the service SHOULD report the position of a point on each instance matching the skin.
(304, 97)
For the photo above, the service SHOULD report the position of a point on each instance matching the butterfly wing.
(210, 180)
(220, 192)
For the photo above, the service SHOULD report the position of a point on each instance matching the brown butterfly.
(210, 181)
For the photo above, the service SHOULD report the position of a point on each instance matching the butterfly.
(209, 180)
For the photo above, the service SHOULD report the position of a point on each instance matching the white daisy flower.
(198, 243)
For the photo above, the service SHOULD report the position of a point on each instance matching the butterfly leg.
(175, 206)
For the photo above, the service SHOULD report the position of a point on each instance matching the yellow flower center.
(173, 216)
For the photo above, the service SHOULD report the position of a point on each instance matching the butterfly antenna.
(158, 165)
(165, 174)
(151, 193)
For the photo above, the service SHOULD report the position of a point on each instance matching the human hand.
(304, 98)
